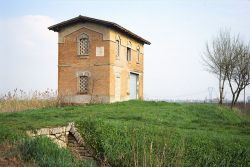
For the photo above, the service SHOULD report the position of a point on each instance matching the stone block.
(43, 131)
(72, 130)
(62, 138)
(56, 130)
(76, 135)
(52, 136)
(61, 143)
(67, 129)
(30, 133)
(58, 135)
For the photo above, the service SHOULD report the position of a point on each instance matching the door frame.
(137, 83)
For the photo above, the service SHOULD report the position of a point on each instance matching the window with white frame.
(83, 84)
(83, 45)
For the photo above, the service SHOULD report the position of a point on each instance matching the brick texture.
(102, 69)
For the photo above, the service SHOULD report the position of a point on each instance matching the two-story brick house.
(98, 61)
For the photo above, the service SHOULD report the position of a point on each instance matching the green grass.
(45, 153)
(136, 133)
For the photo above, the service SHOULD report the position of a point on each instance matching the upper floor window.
(117, 49)
(129, 52)
(138, 55)
(83, 44)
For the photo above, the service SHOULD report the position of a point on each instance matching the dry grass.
(19, 100)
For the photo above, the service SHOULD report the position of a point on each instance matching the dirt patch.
(9, 157)
(5, 156)
(10, 162)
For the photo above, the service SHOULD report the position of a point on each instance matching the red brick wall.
(70, 63)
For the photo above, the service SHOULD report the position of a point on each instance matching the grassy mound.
(138, 133)
(171, 135)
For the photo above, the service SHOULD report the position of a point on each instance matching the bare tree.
(215, 59)
(228, 57)
(238, 72)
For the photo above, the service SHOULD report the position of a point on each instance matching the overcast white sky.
(177, 30)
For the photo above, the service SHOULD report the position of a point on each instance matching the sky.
(177, 29)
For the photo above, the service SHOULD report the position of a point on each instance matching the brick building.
(98, 61)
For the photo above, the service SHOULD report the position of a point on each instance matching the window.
(129, 51)
(138, 55)
(83, 45)
(128, 54)
(83, 85)
(117, 49)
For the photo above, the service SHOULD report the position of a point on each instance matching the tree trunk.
(221, 91)
(233, 99)
(237, 96)
(220, 100)
(221, 87)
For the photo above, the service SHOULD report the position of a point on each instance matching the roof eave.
(59, 26)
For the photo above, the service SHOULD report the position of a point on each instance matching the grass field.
(138, 133)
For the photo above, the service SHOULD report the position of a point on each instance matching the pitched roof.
(59, 26)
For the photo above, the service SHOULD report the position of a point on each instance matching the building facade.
(98, 61)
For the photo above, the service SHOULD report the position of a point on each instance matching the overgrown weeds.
(126, 145)
(19, 100)
(129, 146)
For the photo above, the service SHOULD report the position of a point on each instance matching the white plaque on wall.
(100, 51)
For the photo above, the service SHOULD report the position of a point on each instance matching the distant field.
(138, 133)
